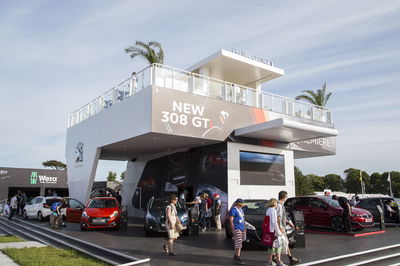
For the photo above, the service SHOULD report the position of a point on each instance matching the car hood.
(100, 212)
(355, 210)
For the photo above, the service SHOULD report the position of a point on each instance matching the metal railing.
(181, 80)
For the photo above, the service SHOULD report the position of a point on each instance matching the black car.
(254, 213)
(370, 204)
(154, 220)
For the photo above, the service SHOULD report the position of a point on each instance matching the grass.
(49, 256)
(6, 239)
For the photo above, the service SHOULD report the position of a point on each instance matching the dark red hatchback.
(326, 212)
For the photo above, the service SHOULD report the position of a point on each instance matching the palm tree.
(148, 51)
(318, 98)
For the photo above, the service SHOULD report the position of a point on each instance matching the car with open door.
(39, 207)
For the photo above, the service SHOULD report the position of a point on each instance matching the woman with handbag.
(172, 224)
(274, 228)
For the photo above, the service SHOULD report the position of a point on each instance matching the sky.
(56, 56)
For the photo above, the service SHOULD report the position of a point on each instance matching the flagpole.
(362, 187)
(390, 185)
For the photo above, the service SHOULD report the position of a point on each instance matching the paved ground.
(211, 248)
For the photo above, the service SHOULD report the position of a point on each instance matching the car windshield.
(255, 208)
(102, 203)
(162, 204)
(332, 202)
(51, 201)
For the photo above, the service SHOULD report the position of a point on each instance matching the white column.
(133, 174)
(81, 174)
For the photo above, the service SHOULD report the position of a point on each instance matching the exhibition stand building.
(209, 128)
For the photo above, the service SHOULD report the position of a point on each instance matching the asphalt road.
(211, 248)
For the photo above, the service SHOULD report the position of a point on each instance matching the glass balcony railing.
(181, 80)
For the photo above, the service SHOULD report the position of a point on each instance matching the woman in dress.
(171, 223)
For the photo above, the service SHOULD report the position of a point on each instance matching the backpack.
(54, 206)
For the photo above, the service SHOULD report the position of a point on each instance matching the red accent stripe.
(369, 233)
(344, 234)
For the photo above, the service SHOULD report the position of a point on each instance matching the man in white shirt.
(282, 221)
(13, 206)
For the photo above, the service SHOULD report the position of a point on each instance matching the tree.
(122, 175)
(333, 182)
(112, 176)
(379, 184)
(317, 182)
(303, 184)
(352, 183)
(147, 51)
(55, 165)
(318, 97)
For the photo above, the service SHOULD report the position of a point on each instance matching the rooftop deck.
(172, 78)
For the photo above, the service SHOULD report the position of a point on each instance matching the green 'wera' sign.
(34, 178)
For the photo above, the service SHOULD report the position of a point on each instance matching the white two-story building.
(208, 128)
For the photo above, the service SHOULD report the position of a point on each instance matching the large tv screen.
(262, 169)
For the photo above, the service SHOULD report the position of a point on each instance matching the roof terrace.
(173, 78)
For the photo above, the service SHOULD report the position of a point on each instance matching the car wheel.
(83, 228)
(39, 217)
(228, 233)
(25, 215)
(337, 223)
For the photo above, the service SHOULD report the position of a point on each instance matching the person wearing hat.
(237, 224)
(217, 212)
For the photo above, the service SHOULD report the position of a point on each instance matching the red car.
(101, 212)
(326, 212)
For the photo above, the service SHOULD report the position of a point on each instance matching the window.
(74, 204)
(316, 203)
(103, 203)
(294, 202)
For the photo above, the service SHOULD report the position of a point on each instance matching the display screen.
(262, 169)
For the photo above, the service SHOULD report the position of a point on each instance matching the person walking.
(274, 227)
(203, 212)
(19, 195)
(345, 204)
(118, 197)
(237, 224)
(13, 206)
(7, 210)
(209, 215)
(22, 203)
(217, 212)
(282, 222)
(171, 224)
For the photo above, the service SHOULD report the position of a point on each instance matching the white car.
(39, 207)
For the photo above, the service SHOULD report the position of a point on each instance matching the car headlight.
(115, 214)
(185, 217)
(249, 226)
(357, 215)
(84, 214)
(150, 217)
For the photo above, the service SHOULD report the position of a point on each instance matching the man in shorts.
(237, 224)
(282, 221)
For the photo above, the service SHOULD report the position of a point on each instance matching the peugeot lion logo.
(79, 152)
